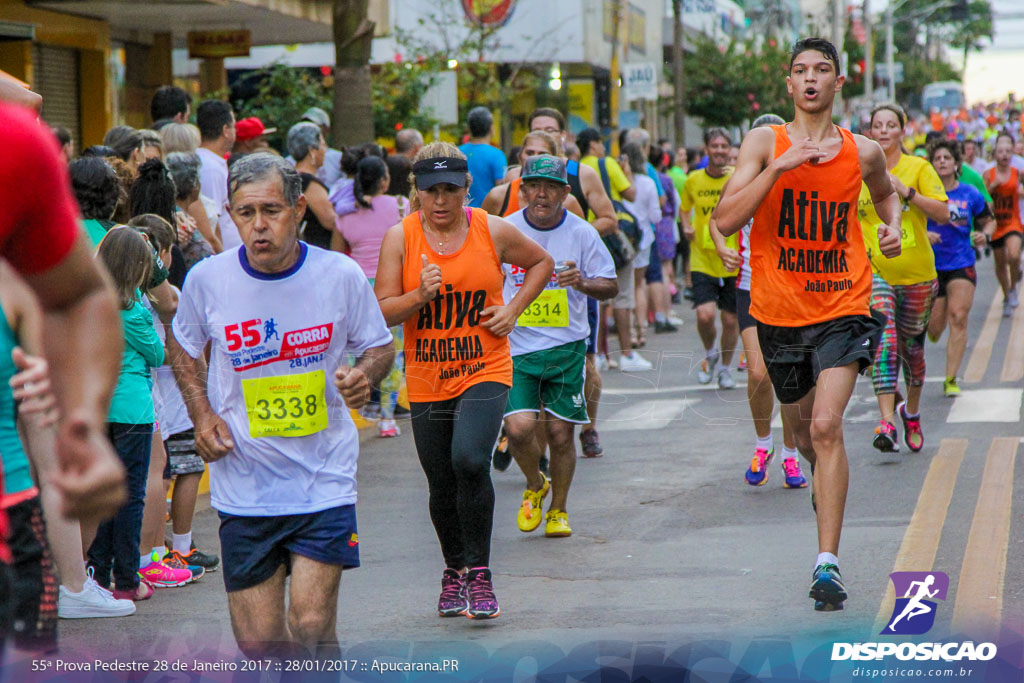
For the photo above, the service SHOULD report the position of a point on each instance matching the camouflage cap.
(545, 167)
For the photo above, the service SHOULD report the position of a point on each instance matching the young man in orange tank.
(811, 279)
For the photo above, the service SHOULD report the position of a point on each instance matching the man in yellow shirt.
(714, 280)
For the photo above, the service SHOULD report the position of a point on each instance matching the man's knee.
(310, 624)
(519, 428)
(560, 435)
(706, 315)
(826, 432)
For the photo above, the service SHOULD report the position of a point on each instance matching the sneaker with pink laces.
(912, 434)
(794, 477)
(757, 473)
(159, 575)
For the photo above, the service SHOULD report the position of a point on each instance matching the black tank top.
(312, 231)
(572, 170)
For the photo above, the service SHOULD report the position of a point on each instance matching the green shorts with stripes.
(552, 378)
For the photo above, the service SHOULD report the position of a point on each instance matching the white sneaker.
(1012, 299)
(94, 601)
(635, 363)
(601, 362)
(706, 370)
(1007, 309)
(675, 319)
(725, 380)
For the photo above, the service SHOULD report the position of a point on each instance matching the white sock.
(712, 355)
(661, 317)
(826, 558)
(182, 543)
(145, 560)
(766, 443)
(788, 452)
(160, 551)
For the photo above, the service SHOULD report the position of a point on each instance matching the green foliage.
(731, 85)
(279, 95)
(398, 88)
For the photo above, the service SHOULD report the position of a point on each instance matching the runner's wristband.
(910, 194)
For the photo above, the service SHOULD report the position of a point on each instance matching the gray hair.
(303, 137)
(638, 135)
(184, 168)
(253, 168)
(407, 139)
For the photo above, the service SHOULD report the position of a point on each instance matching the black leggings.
(455, 451)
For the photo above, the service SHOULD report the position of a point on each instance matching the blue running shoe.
(827, 588)
(757, 473)
(794, 477)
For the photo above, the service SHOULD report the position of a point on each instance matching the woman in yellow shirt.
(904, 287)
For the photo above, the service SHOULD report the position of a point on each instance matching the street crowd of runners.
(185, 299)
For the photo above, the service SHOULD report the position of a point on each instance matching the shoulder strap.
(603, 168)
(504, 203)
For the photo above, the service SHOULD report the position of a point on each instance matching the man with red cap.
(249, 136)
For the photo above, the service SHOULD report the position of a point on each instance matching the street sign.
(218, 44)
(882, 72)
(640, 81)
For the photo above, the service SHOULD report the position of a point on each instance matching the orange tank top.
(446, 349)
(1004, 200)
(807, 257)
(511, 203)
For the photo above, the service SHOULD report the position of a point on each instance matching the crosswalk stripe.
(979, 592)
(921, 539)
(1013, 362)
(646, 415)
(982, 352)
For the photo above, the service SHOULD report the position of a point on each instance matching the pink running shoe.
(757, 473)
(159, 575)
(794, 477)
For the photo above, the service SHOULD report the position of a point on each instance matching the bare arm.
(887, 202)
(396, 304)
(600, 288)
(79, 310)
(932, 208)
(605, 221)
(16, 94)
(213, 436)
(354, 383)
(515, 248)
(198, 213)
(750, 183)
(316, 197)
(492, 202)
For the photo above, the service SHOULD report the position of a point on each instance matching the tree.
(353, 93)
(279, 95)
(731, 85)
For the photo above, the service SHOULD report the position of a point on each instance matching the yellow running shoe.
(531, 511)
(557, 524)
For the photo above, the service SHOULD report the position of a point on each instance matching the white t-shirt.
(743, 282)
(213, 179)
(573, 239)
(168, 404)
(647, 211)
(279, 339)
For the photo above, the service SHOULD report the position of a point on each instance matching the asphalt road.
(674, 561)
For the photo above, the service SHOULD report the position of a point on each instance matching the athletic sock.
(661, 317)
(826, 558)
(160, 551)
(766, 444)
(788, 453)
(145, 560)
(907, 414)
(182, 542)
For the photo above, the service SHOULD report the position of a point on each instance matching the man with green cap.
(549, 342)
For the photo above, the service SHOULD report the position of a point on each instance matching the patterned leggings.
(907, 309)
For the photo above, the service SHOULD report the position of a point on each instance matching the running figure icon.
(916, 607)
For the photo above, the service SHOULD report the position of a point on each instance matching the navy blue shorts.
(253, 548)
(653, 273)
(592, 320)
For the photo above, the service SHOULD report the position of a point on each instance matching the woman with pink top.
(364, 231)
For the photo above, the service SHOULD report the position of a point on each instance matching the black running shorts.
(795, 356)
